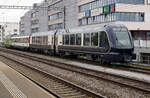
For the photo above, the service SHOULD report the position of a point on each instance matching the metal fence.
(145, 58)
(143, 49)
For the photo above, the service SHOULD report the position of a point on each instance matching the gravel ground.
(106, 88)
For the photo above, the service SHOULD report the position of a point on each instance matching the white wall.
(10, 27)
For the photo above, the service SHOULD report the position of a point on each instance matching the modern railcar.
(109, 43)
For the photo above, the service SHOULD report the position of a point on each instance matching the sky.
(13, 15)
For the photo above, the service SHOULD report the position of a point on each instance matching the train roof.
(90, 29)
(42, 33)
(19, 37)
(75, 30)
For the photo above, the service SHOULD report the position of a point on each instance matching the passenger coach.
(42, 41)
(21, 42)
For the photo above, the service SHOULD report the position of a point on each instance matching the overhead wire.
(17, 3)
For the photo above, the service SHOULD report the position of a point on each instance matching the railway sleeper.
(71, 94)
(60, 86)
(66, 89)
(67, 92)
(79, 96)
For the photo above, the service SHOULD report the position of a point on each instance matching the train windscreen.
(123, 39)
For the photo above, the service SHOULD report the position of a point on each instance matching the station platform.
(15, 85)
(135, 75)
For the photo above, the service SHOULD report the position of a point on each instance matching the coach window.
(66, 39)
(72, 39)
(33, 40)
(87, 39)
(104, 40)
(38, 40)
(94, 39)
(78, 39)
(43, 40)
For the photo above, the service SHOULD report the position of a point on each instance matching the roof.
(43, 33)
(19, 37)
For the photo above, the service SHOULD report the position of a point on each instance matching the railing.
(142, 43)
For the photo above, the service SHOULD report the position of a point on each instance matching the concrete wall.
(43, 19)
(26, 20)
(71, 16)
(10, 28)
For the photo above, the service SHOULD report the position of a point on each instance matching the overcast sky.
(13, 15)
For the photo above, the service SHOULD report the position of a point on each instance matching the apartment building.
(10, 28)
(50, 15)
(132, 13)
(25, 24)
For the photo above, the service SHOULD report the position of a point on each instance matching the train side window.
(72, 39)
(78, 39)
(104, 40)
(32, 40)
(94, 39)
(66, 39)
(43, 40)
(46, 40)
(87, 39)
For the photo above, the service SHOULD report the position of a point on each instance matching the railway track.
(60, 87)
(126, 68)
(121, 80)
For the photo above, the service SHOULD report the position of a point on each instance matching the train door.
(104, 43)
(55, 42)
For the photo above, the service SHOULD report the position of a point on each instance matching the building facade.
(8, 29)
(60, 14)
(11, 28)
(51, 15)
(132, 13)
(25, 24)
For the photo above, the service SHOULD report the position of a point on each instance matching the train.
(107, 43)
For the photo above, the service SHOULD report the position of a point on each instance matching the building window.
(15, 30)
(56, 5)
(35, 14)
(100, 3)
(118, 16)
(55, 26)
(34, 22)
(35, 30)
(55, 16)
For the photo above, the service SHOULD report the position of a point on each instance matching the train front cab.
(122, 46)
